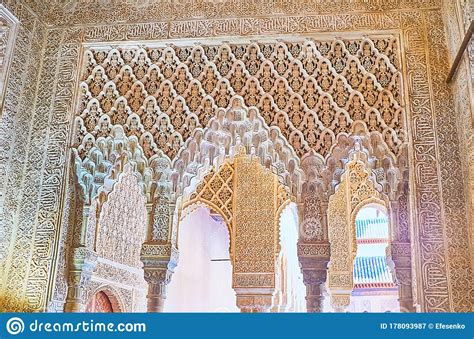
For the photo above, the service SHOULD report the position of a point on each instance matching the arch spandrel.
(388, 168)
(215, 191)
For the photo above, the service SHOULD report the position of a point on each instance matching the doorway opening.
(291, 291)
(202, 281)
(374, 287)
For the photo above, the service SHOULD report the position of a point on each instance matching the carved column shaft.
(314, 258)
(402, 262)
(158, 280)
(314, 297)
(401, 252)
(158, 254)
(159, 261)
(83, 262)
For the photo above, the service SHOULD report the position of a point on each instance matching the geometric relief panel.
(217, 189)
(122, 222)
(312, 90)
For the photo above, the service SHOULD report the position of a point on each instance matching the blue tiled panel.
(371, 270)
(372, 229)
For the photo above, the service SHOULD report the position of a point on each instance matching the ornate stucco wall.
(21, 165)
(457, 16)
(41, 98)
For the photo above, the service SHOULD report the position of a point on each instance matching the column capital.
(320, 250)
(314, 276)
(254, 303)
(158, 253)
(159, 260)
(83, 256)
(314, 257)
(341, 301)
(400, 249)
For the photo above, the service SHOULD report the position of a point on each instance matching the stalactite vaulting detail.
(311, 90)
(100, 160)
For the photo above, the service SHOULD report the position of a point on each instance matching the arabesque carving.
(34, 150)
(256, 234)
(216, 190)
(122, 222)
(311, 90)
(8, 32)
(251, 213)
(321, 179)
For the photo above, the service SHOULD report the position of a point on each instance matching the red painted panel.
(100, 303)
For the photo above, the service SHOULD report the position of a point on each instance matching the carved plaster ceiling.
(67, 12)
(311, 90)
